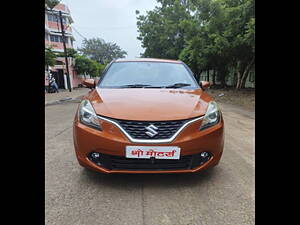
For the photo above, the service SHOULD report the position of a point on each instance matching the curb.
(64, 100)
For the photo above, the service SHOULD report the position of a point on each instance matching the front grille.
(122, 163)
(137, 129)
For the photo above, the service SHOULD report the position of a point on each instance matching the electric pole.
(65, 50)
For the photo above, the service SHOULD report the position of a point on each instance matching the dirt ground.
(244, 98)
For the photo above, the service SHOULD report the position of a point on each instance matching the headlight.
(87, 115)
(212, 116)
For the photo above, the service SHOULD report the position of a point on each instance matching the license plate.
(158, 152)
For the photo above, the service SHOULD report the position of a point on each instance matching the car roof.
(148, 60)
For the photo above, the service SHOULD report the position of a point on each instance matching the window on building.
(64, 19)
(57, 38)
(61, 39)
(53, 18)
(59, 63)
(54, 38)
(49, 17)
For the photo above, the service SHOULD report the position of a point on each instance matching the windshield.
(147, 75)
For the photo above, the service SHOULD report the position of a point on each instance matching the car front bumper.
(111, 141)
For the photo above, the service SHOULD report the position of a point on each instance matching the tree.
(102, 52)
(71, 52)
(50, 4)
(95, 68)
(50, 57)
(160, 31)
(205, 34)
(231, 31)
(205, 46)
(84, 65)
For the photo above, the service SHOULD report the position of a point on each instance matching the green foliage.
(95, 69)
(50, 57)
(50, 4)
(84, 65)
(71, 52)
(101, 51)
(160, 31)
(205, 34)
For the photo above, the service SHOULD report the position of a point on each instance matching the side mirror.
(90, 83)
(204, 85)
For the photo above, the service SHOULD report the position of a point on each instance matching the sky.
(112, 20)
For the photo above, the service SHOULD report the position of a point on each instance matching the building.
(53, 37)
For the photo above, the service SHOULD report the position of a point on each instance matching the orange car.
(148, 116)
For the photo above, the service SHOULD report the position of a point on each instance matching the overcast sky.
(111, 20)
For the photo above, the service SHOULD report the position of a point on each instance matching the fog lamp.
(204, 154)
(95, 155)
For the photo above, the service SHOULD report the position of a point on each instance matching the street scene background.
(215, 38)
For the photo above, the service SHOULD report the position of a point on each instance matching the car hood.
(149, 104)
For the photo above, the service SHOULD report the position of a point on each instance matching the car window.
(146, 73)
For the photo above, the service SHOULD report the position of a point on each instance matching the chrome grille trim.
(134, 140)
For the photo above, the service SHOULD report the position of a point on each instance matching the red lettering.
(151, 152)
(170, 154)
(137, 152)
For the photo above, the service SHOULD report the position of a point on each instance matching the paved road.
(223, 195)
(52, 98)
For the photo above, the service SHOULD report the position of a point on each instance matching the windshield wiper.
(150, 86)
(135, 86)
(177, 85)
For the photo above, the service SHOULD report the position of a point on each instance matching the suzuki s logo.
(151, 130)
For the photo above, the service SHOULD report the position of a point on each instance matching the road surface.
(220, 196)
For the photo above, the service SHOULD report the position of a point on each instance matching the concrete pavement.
(64, 95)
